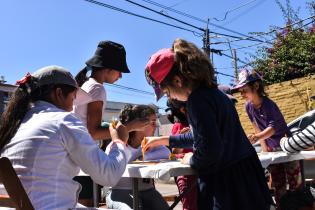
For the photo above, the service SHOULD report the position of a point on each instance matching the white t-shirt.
(97, 92)
(48, 150)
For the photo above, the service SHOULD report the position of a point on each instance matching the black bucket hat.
(109, 55)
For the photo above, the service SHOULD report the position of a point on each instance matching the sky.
(37, 33)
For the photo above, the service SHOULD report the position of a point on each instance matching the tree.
(292, 54)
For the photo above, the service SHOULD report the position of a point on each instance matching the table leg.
(96, 193)
(302, 172)
(135, 193)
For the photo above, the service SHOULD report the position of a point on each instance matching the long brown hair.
(21, 102)
(191, 65)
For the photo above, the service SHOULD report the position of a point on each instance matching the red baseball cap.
(158, 67)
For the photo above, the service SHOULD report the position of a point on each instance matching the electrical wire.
(201, 29)
(160, 13)
(140, 16)
(275, 30)
(231, 10)
(131, 89)
(200, 20)
(244, 13)
(253, 45)
(227, 75)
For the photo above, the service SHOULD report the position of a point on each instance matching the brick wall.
(292, 97)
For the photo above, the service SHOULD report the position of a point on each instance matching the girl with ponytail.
(106, 66)
(230, 175)
(48, 145)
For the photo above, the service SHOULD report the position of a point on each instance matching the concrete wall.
(292, 97)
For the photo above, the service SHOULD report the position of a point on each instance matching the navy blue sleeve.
(208, 144)
(184, 140)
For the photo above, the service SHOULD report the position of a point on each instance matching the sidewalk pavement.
(168, 189)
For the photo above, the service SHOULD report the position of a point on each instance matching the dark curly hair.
(176, 115)
(131, 112)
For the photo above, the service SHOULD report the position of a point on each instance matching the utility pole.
(235, 64)
(206, 42)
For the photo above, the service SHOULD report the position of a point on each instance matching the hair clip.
(25, 79)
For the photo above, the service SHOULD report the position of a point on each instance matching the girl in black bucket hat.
(106, 66)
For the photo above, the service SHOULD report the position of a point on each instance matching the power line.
(132, 89)
(201, 29)
(175, 11)
(231, 67)
(203, 21)
(289, 25)
(243, 13)
(241, 39)
(231, 10)
(128, 94)
(140, 16)
(219, 52)
(272, 31)
(227, 75)
(160, 13)
(176, 4)
(253, 45)
(248, 46)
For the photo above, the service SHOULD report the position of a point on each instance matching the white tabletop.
(268, 158)
(167, 169)
(163, 171)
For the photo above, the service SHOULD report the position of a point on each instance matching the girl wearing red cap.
(230, 175)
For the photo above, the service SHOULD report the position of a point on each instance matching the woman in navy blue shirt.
(230, 175)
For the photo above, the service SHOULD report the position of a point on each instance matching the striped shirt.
(300, 140)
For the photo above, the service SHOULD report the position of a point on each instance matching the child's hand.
(153, 141)
(186, 159)
(252, 138)
(119, 133)
(184, 130)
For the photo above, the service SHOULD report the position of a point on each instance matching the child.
(301, 140)
(270, 127)
(106, 66)
(185, 184)
(230, 175)
(120, 196)
(47, 145)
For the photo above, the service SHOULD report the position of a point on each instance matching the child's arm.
(301, 140)
(262, 136)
